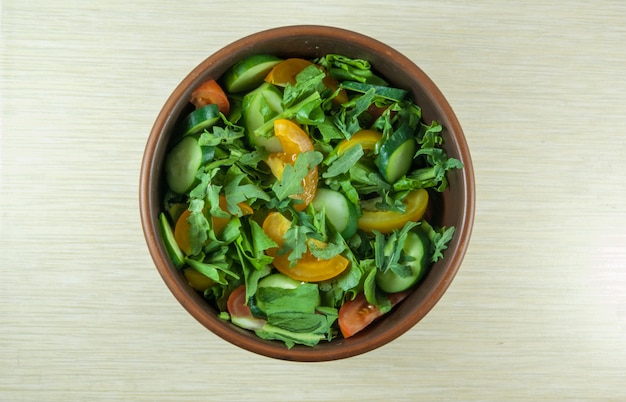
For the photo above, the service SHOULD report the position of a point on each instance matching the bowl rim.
(239, 337)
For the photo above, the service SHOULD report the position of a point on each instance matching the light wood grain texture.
(537, 312)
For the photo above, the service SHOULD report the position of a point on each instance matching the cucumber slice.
(171, 247)
(260, 106)
(394, 94)
(249, 73)
(395, 156)
(200, 119)
(417, 245)
(182, 163)
(340, 212)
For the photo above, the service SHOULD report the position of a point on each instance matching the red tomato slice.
(357, 314)
(208, 93)
(239, 311)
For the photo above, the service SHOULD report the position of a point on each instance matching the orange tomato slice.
(294, 141)
(208, 93)
(416, 203)
(308, 268)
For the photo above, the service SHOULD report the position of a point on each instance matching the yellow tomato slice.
(416, 203)
(293, 141)
(308, 268)
(285, 72)
(198, 281)
(366, 138)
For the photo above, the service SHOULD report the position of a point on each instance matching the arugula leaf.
(369, 286)
(333, 290)
(251, 246)
(430, 136)
(291, 181)
(326, 253)
(344, 162)
(439, 239)
(309, 106)
(347, 119)
(329, 131)
(388, 250)
(308, 80)
(236, 193)
(295, 242)
(198, 226)
(221, 135)
(215, 266)
(367, 180)
(434, 175)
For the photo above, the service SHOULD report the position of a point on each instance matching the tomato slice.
(239, 310)
(293, 141)
(197, 280)
(357, 314)
(416, 203)
(366, 138)
(308, 268)
(285, 72)
(210, 92)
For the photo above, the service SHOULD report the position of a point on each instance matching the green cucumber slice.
(171, 247)
(249, 73)
(394, 94)
(395, 155)
(417, 245)
(340, 212)
(200, 119)
(182, 163)
(260, 106)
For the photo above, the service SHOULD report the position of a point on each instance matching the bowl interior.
(455, 205)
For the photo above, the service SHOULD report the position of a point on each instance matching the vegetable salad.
(298, 193)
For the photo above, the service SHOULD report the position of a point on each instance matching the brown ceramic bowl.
(455, 206)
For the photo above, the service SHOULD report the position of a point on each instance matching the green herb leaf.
(344, 162)
(347, 120)
(439, 239)
(308, 81)
(326, 253)
(291, 181)
(198, 226)
(235, 192)
(346, 68)
(295, 242)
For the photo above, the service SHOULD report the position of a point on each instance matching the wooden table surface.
(537, 311)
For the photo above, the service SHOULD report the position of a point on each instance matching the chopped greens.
(222, 222)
